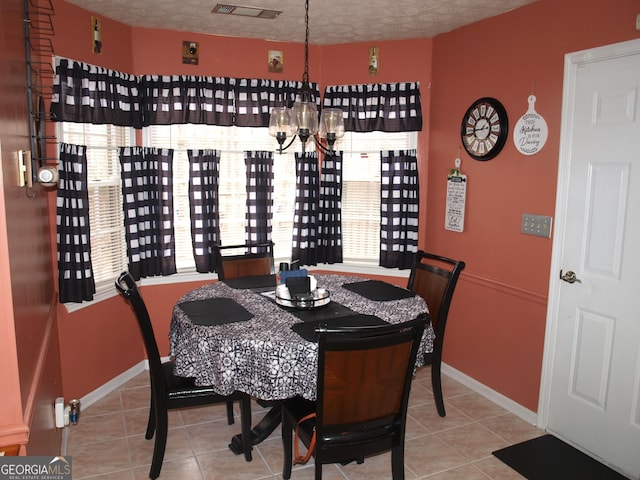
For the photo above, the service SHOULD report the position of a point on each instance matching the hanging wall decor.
(530, 132)
(276, 61)
(190, 52)
(373, 61)
(456, 199)
(484, 129)
(96, 36)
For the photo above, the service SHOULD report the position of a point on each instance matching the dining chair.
(434, 278)
(364, 378)
(169, 391)
(248, 259)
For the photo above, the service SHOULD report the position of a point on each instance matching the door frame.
(572, 63)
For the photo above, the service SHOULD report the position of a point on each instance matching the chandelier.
(302, 119)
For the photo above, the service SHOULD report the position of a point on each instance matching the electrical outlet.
(539, 225)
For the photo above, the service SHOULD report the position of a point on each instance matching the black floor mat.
(549, 458)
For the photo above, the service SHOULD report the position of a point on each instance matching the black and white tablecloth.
(260, 354)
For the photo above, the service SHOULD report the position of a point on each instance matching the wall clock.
(484, 128)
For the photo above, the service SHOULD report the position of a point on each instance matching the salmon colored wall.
(74, 38)
(497, 322)
(160, 52)
(30, 374)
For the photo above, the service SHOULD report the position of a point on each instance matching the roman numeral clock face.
(484, 128)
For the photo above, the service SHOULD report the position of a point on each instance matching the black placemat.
(255, 282)
(215, 311)
(326, 312)
(307, 330)
(549, 458)
(379, 291)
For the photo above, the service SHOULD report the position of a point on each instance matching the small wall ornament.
(530, 133)
(190, 52)
(276, 61)
(96, 36)
(373, 61)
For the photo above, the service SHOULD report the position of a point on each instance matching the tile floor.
(108, 443)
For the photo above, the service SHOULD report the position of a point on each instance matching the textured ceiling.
(330, 21)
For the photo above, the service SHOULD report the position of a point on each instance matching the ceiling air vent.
(227, 9)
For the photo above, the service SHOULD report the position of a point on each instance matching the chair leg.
(160, 444)
(287, 447)
(230, 418)
(397, 462)
(245, 426)
(151, 424)
(436, 384)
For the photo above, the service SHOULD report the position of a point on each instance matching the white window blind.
(108, 247)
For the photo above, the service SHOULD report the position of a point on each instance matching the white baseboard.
(101, 392)
(113, 384)
(496, 397)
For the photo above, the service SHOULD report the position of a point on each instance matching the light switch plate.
(539, 225)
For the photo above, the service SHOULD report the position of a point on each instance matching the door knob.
(569, 277)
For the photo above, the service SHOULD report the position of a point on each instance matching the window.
(232, 143)
(360, 197)
(361, 191)
(108, 247)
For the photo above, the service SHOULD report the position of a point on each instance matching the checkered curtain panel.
(75, 275)
(385, 107)
(147, 195)
(305, 216)
(399, 208)
(204, 168)
(84, 93)
(330, 210)
(259, 214)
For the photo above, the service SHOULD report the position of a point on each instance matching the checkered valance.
(221, 101)
(384, 107)
(86, 93)
(89, 94)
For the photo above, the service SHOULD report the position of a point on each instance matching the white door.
(591, 386)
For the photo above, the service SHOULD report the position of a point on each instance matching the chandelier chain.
(305, 75)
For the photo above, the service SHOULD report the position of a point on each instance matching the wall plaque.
(530, 133)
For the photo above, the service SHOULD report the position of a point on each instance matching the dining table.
(237, 335)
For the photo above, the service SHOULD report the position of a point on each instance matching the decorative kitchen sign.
(456, 198)
(530, 133)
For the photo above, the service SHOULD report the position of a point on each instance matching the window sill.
(106, 292)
